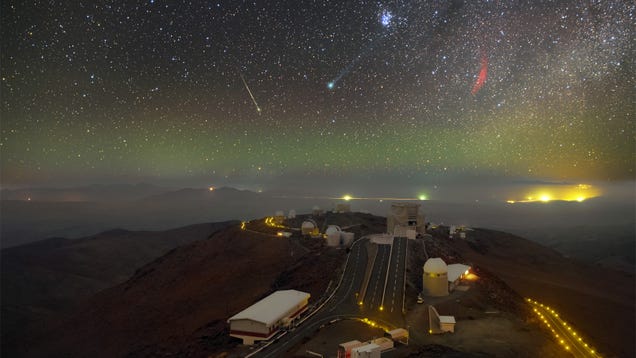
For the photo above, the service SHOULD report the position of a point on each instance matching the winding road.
(383, 301)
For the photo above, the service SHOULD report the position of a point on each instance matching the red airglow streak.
(483, 73)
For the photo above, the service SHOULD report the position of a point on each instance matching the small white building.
(399, 335)
(332, 234)
(455, 273)
(384, 343)
(447, 323)
(347, 238)
(263, 319)
(439, 324)
(370, 350)
(344, 349)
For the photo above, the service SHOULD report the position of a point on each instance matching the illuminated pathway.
(564, 333)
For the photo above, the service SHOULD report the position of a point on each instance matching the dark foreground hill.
(48, 278)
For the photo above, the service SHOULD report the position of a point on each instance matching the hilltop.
(178, 304)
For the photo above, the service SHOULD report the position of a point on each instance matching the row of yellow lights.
(269, 221)
(373, 324)
(569, 328)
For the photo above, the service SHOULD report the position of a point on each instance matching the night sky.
(129, 91)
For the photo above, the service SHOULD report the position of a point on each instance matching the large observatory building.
(404, 217)
(263, 319)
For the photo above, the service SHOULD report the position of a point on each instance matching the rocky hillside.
(590, 297)
(48, 278)
(178, 304)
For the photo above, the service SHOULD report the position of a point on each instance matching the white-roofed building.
(370, 350)
(439, 324)
(344, 349)
(399, 335)
(447, 323)
(263, 319)
(455, 273)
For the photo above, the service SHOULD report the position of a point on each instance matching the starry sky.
(237, 91)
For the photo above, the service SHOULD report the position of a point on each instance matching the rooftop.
(456, 270)
(272, 308)
(435, 265)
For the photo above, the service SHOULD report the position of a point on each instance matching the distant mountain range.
(91, 193)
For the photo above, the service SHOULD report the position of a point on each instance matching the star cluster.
(153, 89)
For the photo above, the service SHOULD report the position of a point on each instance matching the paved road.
(375, 288)
(386, 282)
(393, 301)
(389, 275)
(565, 335)
(342, 304)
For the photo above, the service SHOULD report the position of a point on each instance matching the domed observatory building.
(310, 228)
(332, 234)
(435, 278)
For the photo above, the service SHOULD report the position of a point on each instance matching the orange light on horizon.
(556, 192)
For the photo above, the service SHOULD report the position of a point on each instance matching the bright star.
(330, 85)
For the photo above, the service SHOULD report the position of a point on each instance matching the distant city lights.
(546, 194)
(211, 188)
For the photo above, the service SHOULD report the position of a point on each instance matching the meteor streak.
(258, 109)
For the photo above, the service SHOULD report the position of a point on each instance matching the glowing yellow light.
(360, 303)
(510, 201)
(346, 197)
(423, 197)
(242, 225)
(211, 188)
(545, 198)
(430, 331)
(381, 308)
(580, 199)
